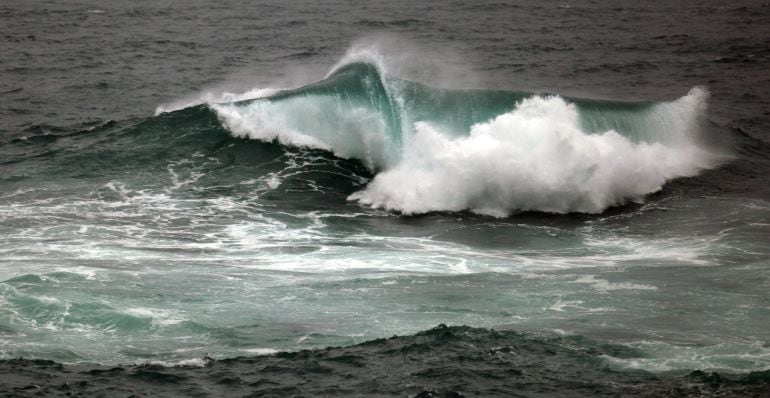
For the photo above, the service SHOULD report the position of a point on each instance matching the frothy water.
(242, 224)
(536, 157)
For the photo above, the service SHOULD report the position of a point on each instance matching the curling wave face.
(490, 152)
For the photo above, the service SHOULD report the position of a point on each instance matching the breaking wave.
(491, 152)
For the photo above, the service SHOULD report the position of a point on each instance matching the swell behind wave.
(440, 362)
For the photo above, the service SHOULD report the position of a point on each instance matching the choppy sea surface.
(183, 184)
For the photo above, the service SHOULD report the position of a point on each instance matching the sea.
(385, 198)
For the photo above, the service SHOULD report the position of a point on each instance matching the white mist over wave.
(537, 157)
(447, 66)
(215, 97)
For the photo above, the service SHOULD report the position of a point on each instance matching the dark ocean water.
(196, 184)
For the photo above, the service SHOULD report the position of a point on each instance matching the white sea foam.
(605, 285)
(260, 351)
(159, 317)
(537, 157)
(192, 362)
(729, 356)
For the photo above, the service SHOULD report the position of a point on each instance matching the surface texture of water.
(130, 237)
